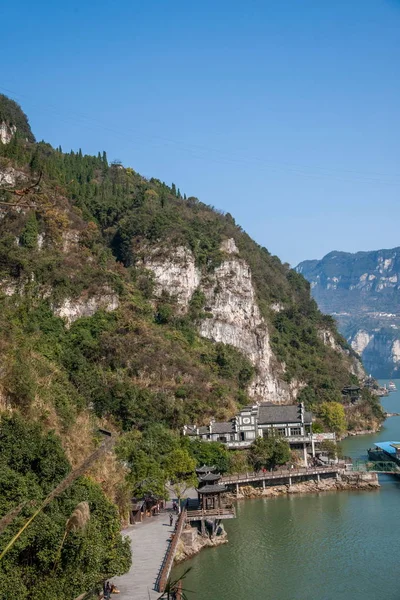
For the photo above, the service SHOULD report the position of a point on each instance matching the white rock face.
(396, 351)
(6, 132)
(355, 365)
(236, 318)
(8, 287)
(70, 239)
(10, 177)
(71, 310)
(361, 341)
(329, 339)
(277, 307)
(229, 246)
(40, 240)
(177, 275)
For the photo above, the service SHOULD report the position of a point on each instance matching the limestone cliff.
(233, 315)
(145, 305)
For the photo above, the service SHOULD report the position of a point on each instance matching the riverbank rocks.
(347, 481)
(192, 542)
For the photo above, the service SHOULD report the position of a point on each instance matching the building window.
(280, 431)
(295, 431)
(250, 435)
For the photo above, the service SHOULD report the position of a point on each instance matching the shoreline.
(192, 542)
(363, 481)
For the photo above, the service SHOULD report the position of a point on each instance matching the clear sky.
(284, 113)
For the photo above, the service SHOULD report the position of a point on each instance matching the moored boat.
(392, 386)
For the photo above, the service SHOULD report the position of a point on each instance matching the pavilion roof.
(212, 489)
(205, 469)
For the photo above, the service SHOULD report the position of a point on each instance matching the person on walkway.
(171, 519)
(107, 591)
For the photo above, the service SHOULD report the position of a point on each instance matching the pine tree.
(35, 162)
(30, 233)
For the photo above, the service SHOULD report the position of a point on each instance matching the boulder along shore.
(348, 481)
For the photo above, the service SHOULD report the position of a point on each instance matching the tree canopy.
(269, 452)
(32, 462)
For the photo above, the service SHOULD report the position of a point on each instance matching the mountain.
(361, 291)
(127, 307)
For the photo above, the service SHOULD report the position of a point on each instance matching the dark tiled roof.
(191, 430)
(226, 427)
(205, 469)
(223, 427)
(210, 477)
(203, 430)
(280, 413)
(212, 489)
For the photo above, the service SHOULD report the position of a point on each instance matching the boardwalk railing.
(168, 561)
(194, 515)
(279, 474)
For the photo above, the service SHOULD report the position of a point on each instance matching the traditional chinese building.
(291, 422)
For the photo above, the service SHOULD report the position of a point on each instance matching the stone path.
(149, 541)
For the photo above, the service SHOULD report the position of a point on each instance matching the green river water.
(334, 545)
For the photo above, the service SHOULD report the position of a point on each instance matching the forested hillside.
(92, 334)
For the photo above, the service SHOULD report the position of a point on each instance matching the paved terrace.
(149, 542)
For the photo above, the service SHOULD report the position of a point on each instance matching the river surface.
(328, 546)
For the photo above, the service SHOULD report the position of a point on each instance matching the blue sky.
(284, 113)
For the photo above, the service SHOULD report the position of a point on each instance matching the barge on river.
(382, 451)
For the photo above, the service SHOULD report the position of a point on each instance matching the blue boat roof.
(386, 447)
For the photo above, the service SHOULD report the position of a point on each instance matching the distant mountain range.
(362, 292)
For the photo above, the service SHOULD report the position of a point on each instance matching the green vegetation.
(269, 452)
(118, 214)
(32, 462)
(212, 454)
(142, 370)
(12, 114)
(333, 416)
(332, 449)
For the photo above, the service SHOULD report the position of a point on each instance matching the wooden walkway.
(217, 513)
(149, 543)
(243, 478)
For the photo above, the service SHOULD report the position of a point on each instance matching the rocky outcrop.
(192, 542)
(233, 314)
(236, 320)
(175, 273)
(72, 309)
(6, 132)
(361, 341)
(378, 342)
(10, 177)
(362, 292)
